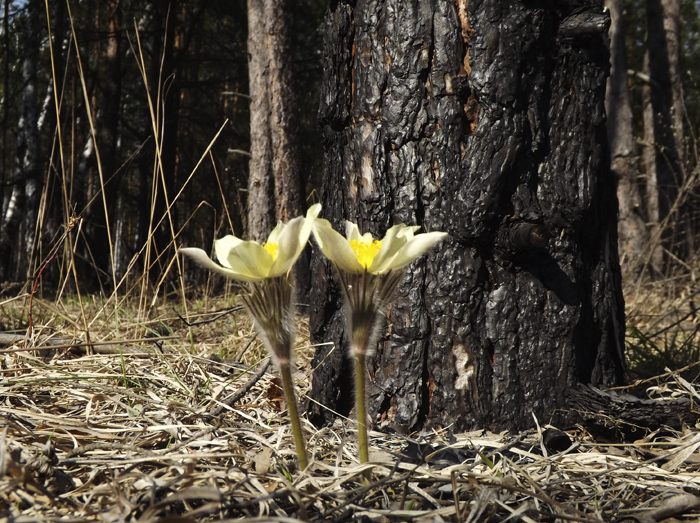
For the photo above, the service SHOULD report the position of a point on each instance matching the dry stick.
(676, 505)
(93, 134)
(210, 320)
(242, 391)
(51, 256)
(71, 220)
(221, 407)
(105, 445)
(455, 495)
(141, 64)
(67, 343)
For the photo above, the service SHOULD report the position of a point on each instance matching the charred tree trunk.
(275, 186)
(484, 119)
(624, 156)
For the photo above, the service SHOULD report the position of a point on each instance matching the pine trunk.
(663, 126)
(275, 187)
(20, 212)
(261, 210)
(624, 156)
(484, 119)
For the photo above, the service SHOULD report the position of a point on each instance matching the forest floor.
(180, 422)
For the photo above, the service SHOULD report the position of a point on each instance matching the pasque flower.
(266, 270)
(250, 261)
(358, 253)
(370, 271)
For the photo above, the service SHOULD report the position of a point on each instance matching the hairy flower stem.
(269, 304)
(367, 296)
(285, 369)
(360, 406)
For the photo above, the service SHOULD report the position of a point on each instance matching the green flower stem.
(285, 369)
(269, 303)
(360, 405)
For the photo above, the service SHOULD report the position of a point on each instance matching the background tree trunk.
(624, 156)
(663, 124)
(261, 208)
(484, 119)
(275, 187)
(18, 234)
(108, 104)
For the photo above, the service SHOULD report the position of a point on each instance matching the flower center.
(365, 252)
(272, 249)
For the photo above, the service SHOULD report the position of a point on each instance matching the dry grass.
(663, 325)
(161, 431)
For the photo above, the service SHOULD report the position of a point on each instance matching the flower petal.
(311, 216)
(409, 231)
(201, 257)
(291, 240)
(251, 259)
(352, 231)
(276, 233)
(415, 248)
(335, 247)
(313, 212)
(391, 244)
(290, 246)
(222, 247)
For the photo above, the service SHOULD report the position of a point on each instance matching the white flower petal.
(415, 248)
(290, 246)
(201, 257)
(276, 233)
(313, 212)
(222, 247)
(352, 231)
(250, 261)
(391, 244)
(335, 247)
(409, 231)
(250, 258)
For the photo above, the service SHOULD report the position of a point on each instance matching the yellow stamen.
(365, 252)
(272, 249)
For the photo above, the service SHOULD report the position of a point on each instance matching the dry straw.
(77, 444)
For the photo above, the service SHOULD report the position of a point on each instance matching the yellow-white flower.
(268, 300)
(358, 253)
(251, 261)
(370, 275)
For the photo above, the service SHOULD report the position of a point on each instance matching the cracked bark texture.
(486, 120)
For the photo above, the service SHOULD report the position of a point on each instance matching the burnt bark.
(486, 120)
(625, 414)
